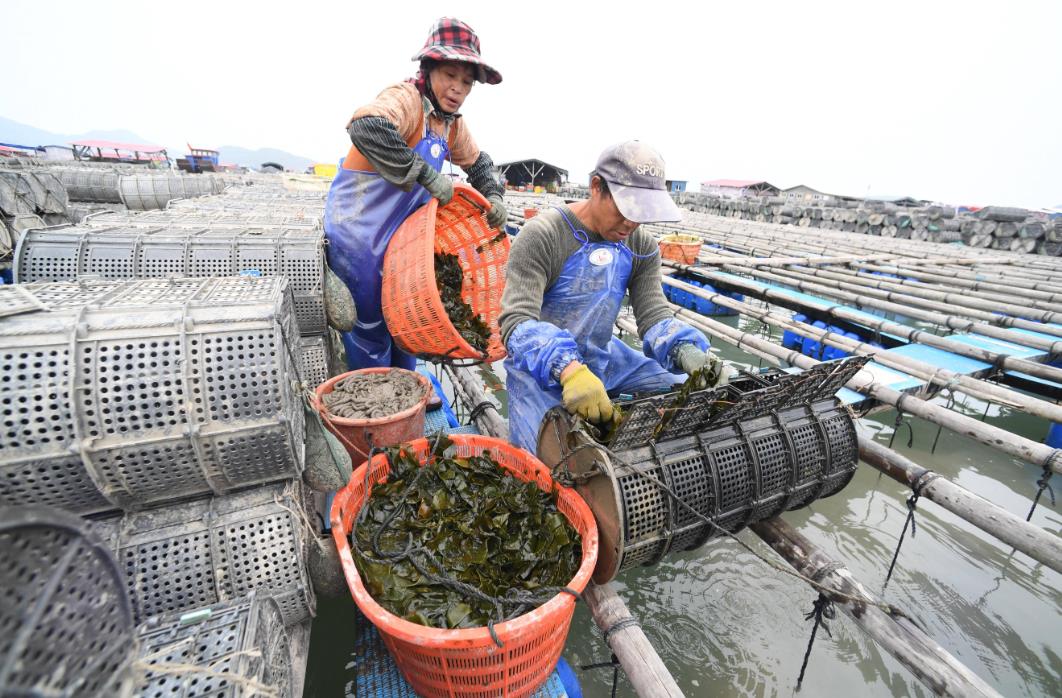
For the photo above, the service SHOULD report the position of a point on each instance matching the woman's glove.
(584, 394)
(497, 215)
(438, 185)
(691, 359)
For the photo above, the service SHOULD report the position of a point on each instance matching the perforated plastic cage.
(125, 252)
(146, 191)
(765, 444)
(127, 394)
(240, 648)
(96, 186)
(735, 475)
(217, 549)
(66, 628)
(314, 367)
(219, 218)
(655, 418)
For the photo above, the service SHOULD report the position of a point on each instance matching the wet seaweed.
(450, 278)
(429, 531)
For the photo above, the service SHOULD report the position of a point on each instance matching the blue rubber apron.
(362, 213)
(585, 300)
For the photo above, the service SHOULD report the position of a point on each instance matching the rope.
(821, 608)
(899, 423)
(479, 409)
(613, 662)
(184, 669)
(912, 504)
(1044, 481)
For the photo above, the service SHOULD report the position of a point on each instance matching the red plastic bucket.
(384, 431)
(441, 663)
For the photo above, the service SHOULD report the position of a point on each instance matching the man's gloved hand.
(690, 358)
(497, 215)
(584, 394)
(441, 187)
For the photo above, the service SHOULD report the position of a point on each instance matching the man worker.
(568, 271)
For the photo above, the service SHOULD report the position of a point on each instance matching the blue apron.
(578, 313)
(362, 213)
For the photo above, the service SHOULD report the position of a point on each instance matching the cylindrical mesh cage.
(66, 627)
(130, 394)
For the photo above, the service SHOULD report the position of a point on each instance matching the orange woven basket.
(680, 248)
(410, 300)
(467, 662)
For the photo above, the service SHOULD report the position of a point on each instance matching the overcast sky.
(953, 101)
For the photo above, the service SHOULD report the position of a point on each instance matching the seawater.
(727, 624)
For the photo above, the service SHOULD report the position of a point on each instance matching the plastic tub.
(467, 662)
(384, 431)
(409, 298)
(680, 248)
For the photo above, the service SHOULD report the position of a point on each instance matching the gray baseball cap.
(635, 176)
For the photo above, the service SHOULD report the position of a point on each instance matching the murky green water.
(725, 624)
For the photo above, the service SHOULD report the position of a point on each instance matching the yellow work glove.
(584, 394)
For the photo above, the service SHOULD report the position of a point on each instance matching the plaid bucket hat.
(453, 40)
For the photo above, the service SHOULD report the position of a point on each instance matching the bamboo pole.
(1012, 530)
(955, 323)
(941, 376)
(895, 633)
(778, 297)
(836, 246)
(970, 280)
(642, 665)
(1012, 444)
(948, 284)
(935, 306)
(947, 299)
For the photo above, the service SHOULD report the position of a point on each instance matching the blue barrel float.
(697, 304)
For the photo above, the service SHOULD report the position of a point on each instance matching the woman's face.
(451, 81)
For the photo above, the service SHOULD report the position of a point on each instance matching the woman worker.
(400, 141)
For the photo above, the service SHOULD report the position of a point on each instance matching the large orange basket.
(467, 662)
(680, 248)
(410, 299)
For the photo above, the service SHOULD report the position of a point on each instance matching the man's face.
(614, 227)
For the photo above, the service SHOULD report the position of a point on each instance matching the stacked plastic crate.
(164, 404)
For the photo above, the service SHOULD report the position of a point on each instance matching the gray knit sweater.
(538, 254)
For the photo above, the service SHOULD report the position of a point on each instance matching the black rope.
(940, 427)
(613, 660)
(822, 609)
(899, 423)
(912, 503)
(614, 663)
(997, 366)
(479, 409)
(1044, 481)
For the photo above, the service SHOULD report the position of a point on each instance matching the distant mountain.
(255, 158)
(23, 134)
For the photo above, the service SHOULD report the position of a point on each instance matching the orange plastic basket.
(383, 431)
(467, 662)
(410, 299)
(680, 248)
